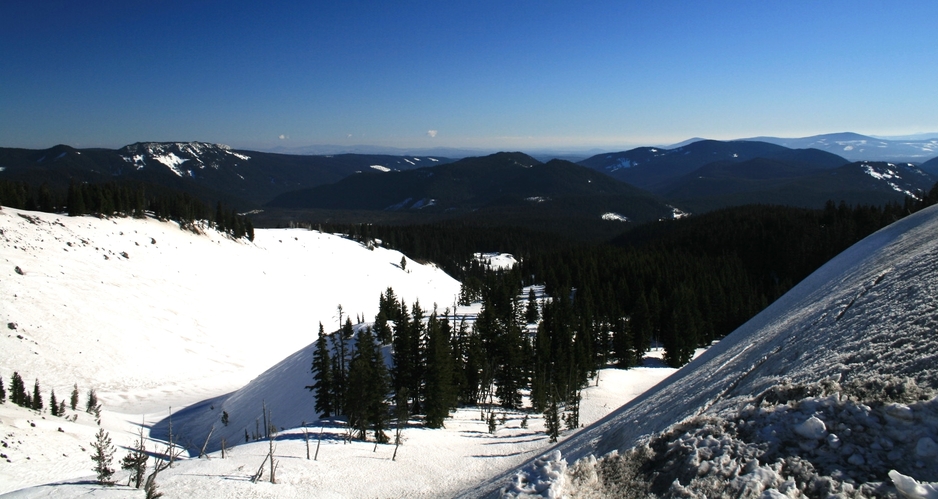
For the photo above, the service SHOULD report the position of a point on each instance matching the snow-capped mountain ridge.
(892, 175)
(174, 154)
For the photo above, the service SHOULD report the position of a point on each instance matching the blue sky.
(493, 75)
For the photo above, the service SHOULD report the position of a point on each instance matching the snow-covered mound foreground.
(831, 390)
(153, 316)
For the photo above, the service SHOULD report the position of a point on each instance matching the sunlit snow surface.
(822, 393)
(154, 317)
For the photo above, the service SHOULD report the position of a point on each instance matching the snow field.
(153, 317)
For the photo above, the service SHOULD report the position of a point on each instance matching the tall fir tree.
(73, 400)
(3, 393)
(342, 348)
(53, 404)
(36, 398)
(440, 392)
(18, 393)
(403, 369)
(531, 314)
(367, 405)
(322, 374)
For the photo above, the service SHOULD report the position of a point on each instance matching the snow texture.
(823, 393)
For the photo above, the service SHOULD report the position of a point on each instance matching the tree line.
(114, 199)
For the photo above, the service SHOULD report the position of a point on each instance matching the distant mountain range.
(641, 184)
(245, 179)
(498, 187)
(856, 147)
(709, 174)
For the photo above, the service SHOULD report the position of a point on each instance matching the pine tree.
(531, 314)
(440, 393)
(73, 402)
(37, 397)
(340, 363)
(552, 419)
(91, 405)
(18, 393)
(403, 369)
(102, 454)
(322, 374)
(53, 404)
(3, 393)
(368, 386)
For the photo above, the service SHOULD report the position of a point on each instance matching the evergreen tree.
(3, 393)
(37, 397)
(91, 405)
(73, 402)
(531, 314)
(382, 329)
(340, 365)
(440, 393)
(641, 325)
(367, 405)
(53, 404)
(323, 384)
(403, 369)
(102, 455)
(18, 393)
(552, 419)
(76, 201)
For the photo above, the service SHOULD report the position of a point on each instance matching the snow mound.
(823, 393)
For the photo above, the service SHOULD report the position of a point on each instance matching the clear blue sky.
(511, 74)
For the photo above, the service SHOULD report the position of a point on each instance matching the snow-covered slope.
(824, 392)
(152, 316)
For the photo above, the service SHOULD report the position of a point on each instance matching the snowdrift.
(824, 392)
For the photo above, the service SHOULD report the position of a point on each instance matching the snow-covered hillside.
(153, 317)
(830, 390)
(140, 309)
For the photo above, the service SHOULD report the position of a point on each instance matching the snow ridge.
(174, 154)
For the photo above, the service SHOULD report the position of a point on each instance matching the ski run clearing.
(831, 391)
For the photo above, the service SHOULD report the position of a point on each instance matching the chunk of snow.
(381, 168)
(911, 489)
